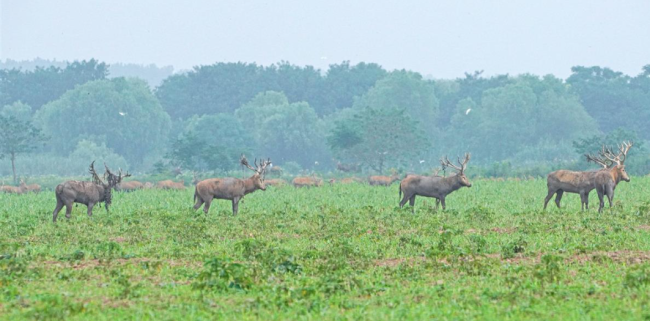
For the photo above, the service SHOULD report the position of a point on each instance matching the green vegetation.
(341, 251)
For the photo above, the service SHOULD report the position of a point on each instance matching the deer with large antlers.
(584, 182)
(434, 186)
(230, 188)
(88, 193)
(606, 180)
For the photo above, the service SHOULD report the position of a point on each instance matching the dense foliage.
(202, 119)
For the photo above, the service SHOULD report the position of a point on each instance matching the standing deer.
(88, 193)
(578, 182)
(434, 186)
(606, 180)
(34, 188)
(22, 188)
(230, 188)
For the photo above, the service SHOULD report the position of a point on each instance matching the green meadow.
(333, 252)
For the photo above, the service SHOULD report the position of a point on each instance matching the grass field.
(335, 252)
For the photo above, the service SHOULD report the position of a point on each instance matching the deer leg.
(68, 209)
(437, 203)
(412, 203)
(602, 201)
(90, 209)
(442, 201)
(582, 201)
(558, 198)
(548, 197)
(235, 205)
(199, 202)
(206, 207)
(610, 195)
(59, 206)
(403, 201)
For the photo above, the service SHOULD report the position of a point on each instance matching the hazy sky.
(442, 39)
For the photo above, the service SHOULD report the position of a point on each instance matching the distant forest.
(148, 118)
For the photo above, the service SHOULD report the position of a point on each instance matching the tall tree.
(122, 113)
(18, 137)
(44, 84)
(378, 138)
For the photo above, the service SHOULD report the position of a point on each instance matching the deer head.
(114, 180)
(461, 170)
(258, 177)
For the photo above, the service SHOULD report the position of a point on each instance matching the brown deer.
(606, 180)
(383, 180)
(129, 186)
(230, 188)
(88, 193)
(275, 170)
(434, 186)
(33, 188)
(307, 181)
(22, 188)
(275, 181)
(171, 185)
(578, 182)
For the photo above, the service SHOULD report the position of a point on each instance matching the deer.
(169, 184)
(275, 170)
(87, 193)
(275, 181)
(230, 188)
(606, 180)
(306, 181)
(579, 182)
(129, 186)
(34, 188)
(383, 180)
(22, 188)
(437, 187)
(347, 167)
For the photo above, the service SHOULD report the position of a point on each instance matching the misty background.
(152, 87)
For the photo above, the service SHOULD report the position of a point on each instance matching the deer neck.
(616, 176)
(249, 185)
(453, 182)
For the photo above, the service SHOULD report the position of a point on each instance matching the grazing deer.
(578, 182)
(606, 180)
(88, 193)
(13, 189)
(169, 184)
(434, 186)
(307, 181)
(275, 182)
(129, 186)
(382, 180)
(230, 188)
(34, 188)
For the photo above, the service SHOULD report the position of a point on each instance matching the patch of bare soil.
(503, 230)
(398, 261)
(118, 239)
(644, 227)
(93, 263)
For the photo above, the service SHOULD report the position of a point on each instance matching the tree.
(211, 142)
(527, 112)
(285, 131)
(344, 82)
(378, 138)
(404, 90)
(122, 113)
(18, 137)
(44, 84)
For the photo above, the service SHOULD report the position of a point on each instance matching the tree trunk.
(13, 166)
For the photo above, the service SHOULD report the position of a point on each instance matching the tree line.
(305, 118)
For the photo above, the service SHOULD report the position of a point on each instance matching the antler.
(127, 174)
(96, 178)
(244, 162)
(619, 159)
(599, 160)
(463, 164)
(264, 164)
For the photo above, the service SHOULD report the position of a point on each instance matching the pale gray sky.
(443, 39)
